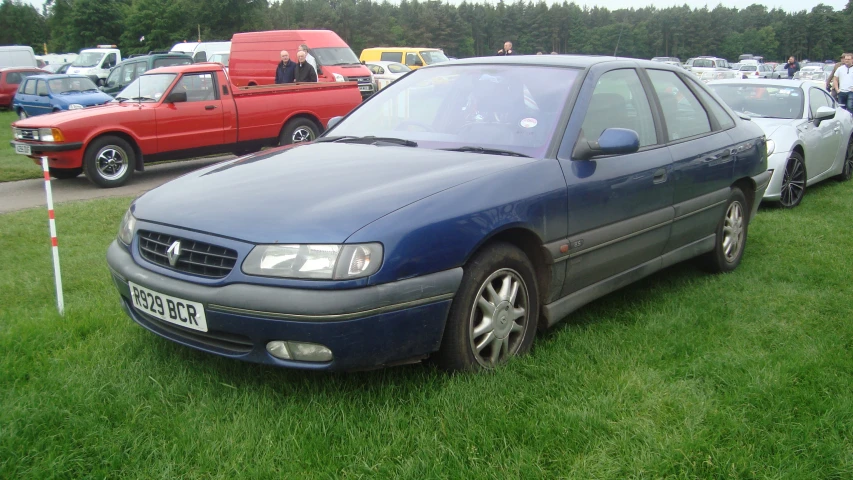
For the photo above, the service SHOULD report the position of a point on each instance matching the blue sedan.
(449, 217)
(41, 94)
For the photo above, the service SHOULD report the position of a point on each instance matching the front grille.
(27, 133)
(359, 79)
(197, 258)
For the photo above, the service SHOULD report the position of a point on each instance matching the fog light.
(305, 352)
(278, 349)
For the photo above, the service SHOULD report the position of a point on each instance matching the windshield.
(762, 101)
(486, 106)
(335, 56)
(147, 88)
(748, 68)
(88, 59)
(703, 63)
(433, 56)
(71, 85)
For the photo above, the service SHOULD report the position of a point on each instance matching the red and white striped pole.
(60, 302)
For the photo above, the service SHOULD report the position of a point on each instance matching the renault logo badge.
(174, 252)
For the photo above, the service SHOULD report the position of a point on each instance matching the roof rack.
(154, 52)
(134, 55)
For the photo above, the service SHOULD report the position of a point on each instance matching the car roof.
(781, 82)
(400, 49)
(156, 56)
(195, 67)
(575, 61)
(22, 69)
(53, 76)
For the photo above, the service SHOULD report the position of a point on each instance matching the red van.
(255, 55)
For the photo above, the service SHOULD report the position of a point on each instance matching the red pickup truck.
(179, 112)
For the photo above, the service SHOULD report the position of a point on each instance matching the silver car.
(385, 72)
(808, 133)
(753, 71)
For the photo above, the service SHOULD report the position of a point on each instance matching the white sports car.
(808, 134)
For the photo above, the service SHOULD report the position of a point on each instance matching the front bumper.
(776, 164)
(364, 328)
(762, 180)
(42, 147)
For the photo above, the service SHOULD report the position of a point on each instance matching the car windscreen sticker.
(528, 122)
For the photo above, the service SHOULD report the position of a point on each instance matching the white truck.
(96, 62)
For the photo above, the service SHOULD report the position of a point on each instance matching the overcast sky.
(787, 5)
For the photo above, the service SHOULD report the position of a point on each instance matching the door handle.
(210, 107)
(660, 176)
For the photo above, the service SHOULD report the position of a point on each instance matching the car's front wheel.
(22, 114)
(730, 236)
(493, 316)
(847, 169)
(109, 161)
(793, 181)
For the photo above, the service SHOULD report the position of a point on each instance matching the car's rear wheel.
(847, 169)
(298, 130)
(730, 236)
(493, 316)
(793, 181)
(109, 162)
(65, 173)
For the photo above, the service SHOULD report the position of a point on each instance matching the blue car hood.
(313, 193)
(85, 99)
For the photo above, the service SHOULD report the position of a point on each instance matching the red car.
(179, 112)
(10, 78)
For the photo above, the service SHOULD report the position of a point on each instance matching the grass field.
(13, 166)
(682, 375)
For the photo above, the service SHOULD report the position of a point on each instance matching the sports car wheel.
(793, 182)
(731, 236)
(493, 316)
(847, 169)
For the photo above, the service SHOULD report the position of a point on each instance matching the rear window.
(168, 62)
(703, 63)
(392, 57)
(748, 68)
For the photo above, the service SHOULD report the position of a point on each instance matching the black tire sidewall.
(455, 352)
(286, 137)
(798, 157)
(90, 161)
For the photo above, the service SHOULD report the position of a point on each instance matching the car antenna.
(139, 91)
(617, 40)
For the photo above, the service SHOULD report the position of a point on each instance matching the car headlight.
(771, 147)
(50, 135)
(75, 106)
(323, 262)
(339, 77)
(127, 227)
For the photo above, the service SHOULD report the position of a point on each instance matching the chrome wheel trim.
(733, 232)
(499, 318)
(111, 162)
(302, 134)
(793, 182)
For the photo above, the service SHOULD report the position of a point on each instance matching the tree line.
(463, 30)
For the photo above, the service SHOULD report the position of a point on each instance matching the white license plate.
(365, 88)
(23, 149)
(167, 308)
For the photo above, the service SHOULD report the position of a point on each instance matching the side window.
(685, 117)
(619, 101)
(113, 79)
(830, 100)
(14, 78)
(30, 87)
(41, 88)
(167, 62)
(127, 73)
(199, 87)
(377, 70)
(816, 100)
(141, 68)
(200, 57)
(412, 59)
(110, 61)
(716, 110)
(392, 57)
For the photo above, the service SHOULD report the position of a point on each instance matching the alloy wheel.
(302, 134)
(499, 318)
(793, 182)
(112, 162)
(733, 231)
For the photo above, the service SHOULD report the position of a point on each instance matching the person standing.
(843, 82)
(304, 71)
(792, 66)
(829, 87)
(285, 72)
(507, 50)
(308, 57)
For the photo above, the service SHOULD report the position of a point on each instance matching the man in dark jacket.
(507, 50)
(285, 72)
(304, 71)
(793, 67)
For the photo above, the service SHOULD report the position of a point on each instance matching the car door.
(829, 134)
(620, 206)
(703, 156)
(197, 122)
(42, 104)
(27, 96)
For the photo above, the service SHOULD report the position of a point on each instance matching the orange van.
(255, 56)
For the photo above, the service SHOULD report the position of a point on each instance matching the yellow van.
(413, 57)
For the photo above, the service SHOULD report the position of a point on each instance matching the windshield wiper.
(121, 99)
(487, 151)
(369, 140)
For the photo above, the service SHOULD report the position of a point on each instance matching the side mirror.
(319, 70)
(333, 121)
(823, 113)
(613, 141)
(176, 97)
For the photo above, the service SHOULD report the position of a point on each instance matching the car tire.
(793, 182)
(65, 173)
(472, 342)
(298, 130)
(847, 169)
(109, 161)
(731, 234)
(22, 114)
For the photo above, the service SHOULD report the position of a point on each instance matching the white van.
(96, 62)
(201, 51)
(17, 56)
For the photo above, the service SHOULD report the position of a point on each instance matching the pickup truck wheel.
(493, 315)
(65, 173)
(730, 236)
(109, 162)
(298, 130)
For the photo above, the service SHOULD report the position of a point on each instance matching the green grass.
(682, 375)
(13, 166)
